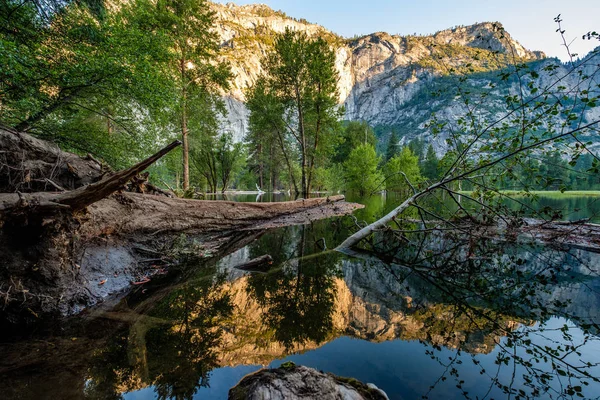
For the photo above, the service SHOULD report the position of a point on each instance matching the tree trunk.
(186, 160)
(302, 133)
(260, 167)
(287, 161)
(184, 129)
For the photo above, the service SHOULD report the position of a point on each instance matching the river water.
(441, 318)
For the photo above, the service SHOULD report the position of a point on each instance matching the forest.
(121, 80)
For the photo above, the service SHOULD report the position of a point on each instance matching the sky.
(529, 22)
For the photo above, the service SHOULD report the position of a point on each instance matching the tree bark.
(287, 161)
(382, 223)
(184, 128)
(301, 131)
(260, 166)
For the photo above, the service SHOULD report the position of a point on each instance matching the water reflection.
(484, 289)
(298, 299)
(439, 316)
(173, 347)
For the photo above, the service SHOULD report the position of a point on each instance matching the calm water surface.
(442, 318)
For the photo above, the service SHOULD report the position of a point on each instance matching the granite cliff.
(383, 78)
(391, 81)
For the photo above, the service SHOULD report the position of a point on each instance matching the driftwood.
(259, 264)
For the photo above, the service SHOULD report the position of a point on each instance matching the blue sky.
(530, 22)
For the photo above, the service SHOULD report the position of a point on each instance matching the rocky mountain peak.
(487, 36)
(380, 74)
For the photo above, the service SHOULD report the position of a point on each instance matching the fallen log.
(58, 270)
(60, 260)
(135, 214)
(259, 264)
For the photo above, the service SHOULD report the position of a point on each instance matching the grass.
(549, 193)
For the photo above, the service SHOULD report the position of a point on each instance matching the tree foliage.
(110, 81)
(392, 147)
(300, 77)
(353, 134)
(194, 49)
(402, 171)
(361, 170)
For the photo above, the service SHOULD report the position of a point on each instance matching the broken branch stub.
(74, 200)
(84, 196)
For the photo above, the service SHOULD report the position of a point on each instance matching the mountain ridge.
(380, 75)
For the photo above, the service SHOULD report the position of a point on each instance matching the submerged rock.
(293, 382)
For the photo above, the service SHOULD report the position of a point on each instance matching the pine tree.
(431, 164)
(353, 135)
(393, 144)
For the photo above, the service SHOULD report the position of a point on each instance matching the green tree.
(361, 171)
(431, 164)
(82, 76)
(553, 171)
(392, 148)
(229, 156)
(266, 139)
(195, 71)
(402, 169)
(417, 146)
(300, 74)
(204, 158)
(354, 133)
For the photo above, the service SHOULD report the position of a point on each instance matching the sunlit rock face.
(379, 74)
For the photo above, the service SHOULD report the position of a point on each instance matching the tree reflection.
(491, 288)
(298, 299)
(497, 318)
(185, 352)
(173, 347)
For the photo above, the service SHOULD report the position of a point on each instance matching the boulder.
(292, 382)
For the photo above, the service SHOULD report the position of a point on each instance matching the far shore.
(591, 193)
